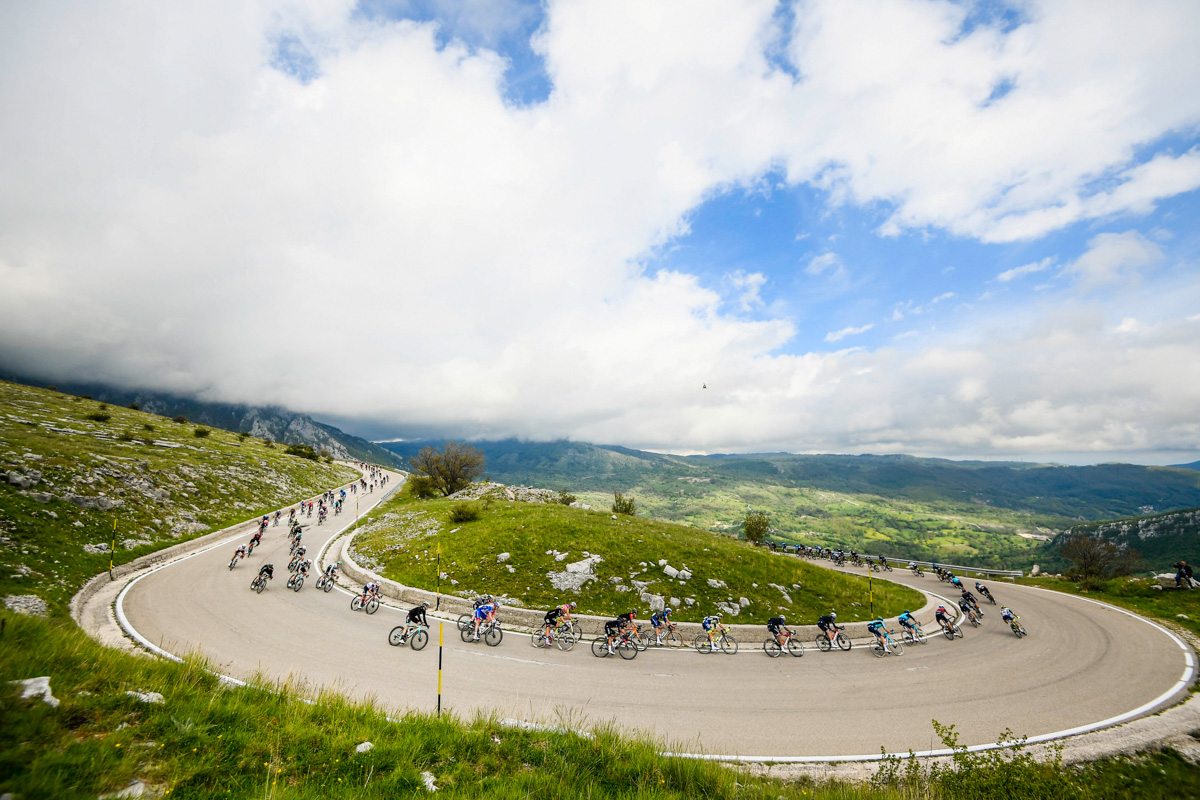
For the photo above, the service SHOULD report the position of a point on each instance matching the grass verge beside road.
(403, 539)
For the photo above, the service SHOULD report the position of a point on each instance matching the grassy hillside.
(70, 469)
(403, 540)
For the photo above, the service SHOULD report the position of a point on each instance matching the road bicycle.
(259, 583)
(295, 544)
(294, 564)
(489, 632)
(622, 646)
(890, 644)
(915, 570)
(370, 606)
(727, 643)
(325, 582)
(416, 640)
(1017, 629)
(914, 635)
(793, 645)
(233, 563)
(250, 547)
(970, 614)
(950, 630)
(988, 595)
(561, 636)
(668, 637)
(295, 582)
(825, 645)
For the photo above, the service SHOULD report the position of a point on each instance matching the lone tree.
(624, 505)
(1097, 559)
(450, 469)
(756, 526)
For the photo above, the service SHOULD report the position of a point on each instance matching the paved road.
(1082, 663)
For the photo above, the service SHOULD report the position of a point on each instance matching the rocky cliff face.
(1161, 538)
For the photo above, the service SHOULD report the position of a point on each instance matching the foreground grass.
(158, 483)
(206, 741)
(404, 538)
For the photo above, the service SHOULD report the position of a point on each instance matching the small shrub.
(52, 388)
(565, 498)
(99, 416)
(148, 426)
(200, 433)
(125, 436)
(103, 406)
(135, 406)
(148, 442)
(181, 419)
(302, 451)
(243, 436)
(422, 487)
(623, 505)
(464, 512)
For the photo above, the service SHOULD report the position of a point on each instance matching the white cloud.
(837, 336)
(748, 285)
(1027, 269)
(826, 262)
(1128, 325)
(176, 212)
(1114, 257)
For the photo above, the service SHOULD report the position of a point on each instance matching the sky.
(953, 229)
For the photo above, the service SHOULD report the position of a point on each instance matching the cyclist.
(296, 541)
(332, 570)
(828, 624)
(957, 581)
(485, 612)
(942, 616)
(278, 514)
(966, 608)
(883, 562)
(370, 590)
(298, 556)
(1007, 614)
(553, 615)
(256, 539)
(908, 621)
(268, 570)
(710, 624)
(304, 567)
(627, 620)
(239, 553)
(983, 590)
(778, 627)
(415, 618)
(970, 598)
(612, 629)
(875, 627)
(659, 620)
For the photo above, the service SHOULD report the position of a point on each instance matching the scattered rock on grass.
(37, 687)
(147, 697)
(29, 604)
(429, 784)
(500, 559)
(364, 747)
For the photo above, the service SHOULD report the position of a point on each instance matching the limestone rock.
(674, 602)
(743, 602)
(37, 687)
(621, 588)
(29, 604)
(670, 571)
(690, 601)
(729, 608)
(102, 547)
(364, 747)
(656, 602)
(147, 697)
(135, 788)
(427, 777)
(500, 559)
(662, 562)
(1033, 573)
(716, 584)
(684, 574)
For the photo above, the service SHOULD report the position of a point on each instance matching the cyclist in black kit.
(268, 570)
(415, 617)
(828, 624)
(778, 628)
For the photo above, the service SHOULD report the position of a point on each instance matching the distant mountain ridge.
(1193, 465)
(271, 422)
(1103, 491)
(1162, 538)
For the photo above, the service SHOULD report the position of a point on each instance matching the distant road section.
(1083, 663)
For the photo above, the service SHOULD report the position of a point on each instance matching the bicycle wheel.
(974, 621)
(702, 644)
(843, 641)
(920, 637)
(291, 580)
(958, 631)
(795, 647)
(396, 636)
(356, 603)
(372, 605)
(463, 622)
(772, 648)
(537, 639)
(729, 645)
(328, 585)
(822, 643)
(493, 636)
(877, 649)
(673, 640)
(566, 641)
(467, 634)
(627, 649)
(948, 632)
(298, 584)
(599, 647)
(419, 640)
(897, 648)
(640, 640)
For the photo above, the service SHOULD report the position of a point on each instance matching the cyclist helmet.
(425, 605)
(879, 620)
(906, 611)
(573, 604)
(666, 612)
(339, 563)
(833, 615)
(784, 621)
(633, 613)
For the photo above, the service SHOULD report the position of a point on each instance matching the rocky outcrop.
(29, 604)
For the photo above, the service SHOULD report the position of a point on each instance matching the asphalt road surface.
(1081, 663)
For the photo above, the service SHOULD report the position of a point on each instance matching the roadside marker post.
(438, 607)
(441, 629)
(112, 551)
(871, 590)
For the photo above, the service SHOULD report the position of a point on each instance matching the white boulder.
(500, 559)
(37, 687)
(670, 571)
